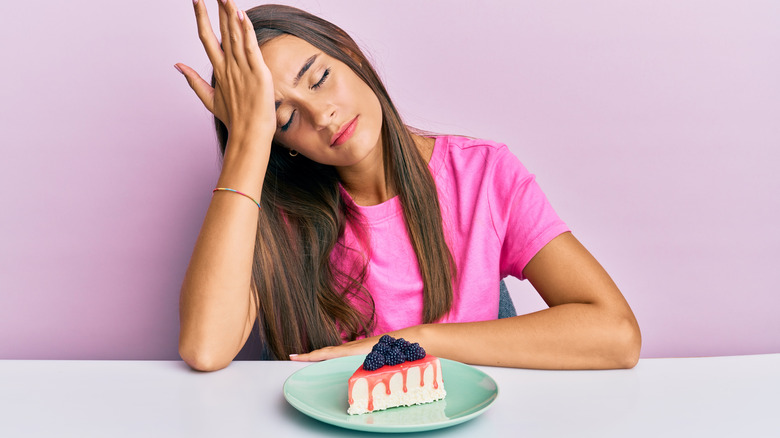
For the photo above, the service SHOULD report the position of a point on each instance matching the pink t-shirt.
(496, 218)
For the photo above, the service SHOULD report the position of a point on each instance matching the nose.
(322, 114)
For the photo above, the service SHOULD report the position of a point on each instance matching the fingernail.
(178, 68)
(224, 1)
(240, 15)
(194, 2)
(293, 355)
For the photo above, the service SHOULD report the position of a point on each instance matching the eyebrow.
(306, 66)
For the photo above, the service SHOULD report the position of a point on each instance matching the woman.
(333, 223)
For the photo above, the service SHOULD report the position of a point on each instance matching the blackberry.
(373, 361)
(414, 352)
(402, 343)
(381, 348)
(394, 356)
(386, 339)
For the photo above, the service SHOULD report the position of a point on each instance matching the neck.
(367, 183)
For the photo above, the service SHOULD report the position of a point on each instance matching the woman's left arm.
(588, 325)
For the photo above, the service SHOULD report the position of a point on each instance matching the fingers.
(232, 31)
(224, 27)
(206, 34)
(253, 55)
(239, 70)
(234, 25)
(315, 356)
(301, 358)
(362, 346)
(202, 89)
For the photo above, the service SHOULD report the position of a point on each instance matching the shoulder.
(461, 144)
(475, 155)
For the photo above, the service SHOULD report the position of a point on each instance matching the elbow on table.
(200, 360)
(628, 343)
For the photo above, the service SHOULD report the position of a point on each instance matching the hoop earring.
(293, 153)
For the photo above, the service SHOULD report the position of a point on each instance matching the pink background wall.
(653, 126)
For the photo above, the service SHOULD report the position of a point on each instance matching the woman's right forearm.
(216, 307)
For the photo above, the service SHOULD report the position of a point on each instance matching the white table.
(696, 397)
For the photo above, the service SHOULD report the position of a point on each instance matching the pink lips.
(344, 133)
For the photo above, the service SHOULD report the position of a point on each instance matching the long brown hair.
(304, 301)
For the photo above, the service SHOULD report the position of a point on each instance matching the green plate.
(320, 391)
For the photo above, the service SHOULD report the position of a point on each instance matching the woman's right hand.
(243, 95)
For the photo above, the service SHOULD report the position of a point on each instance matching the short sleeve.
(523, 218)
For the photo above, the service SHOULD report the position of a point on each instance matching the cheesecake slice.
(411, 382)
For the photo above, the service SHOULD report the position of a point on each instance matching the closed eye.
(319, 83)
(322, 80)
(286, 126)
